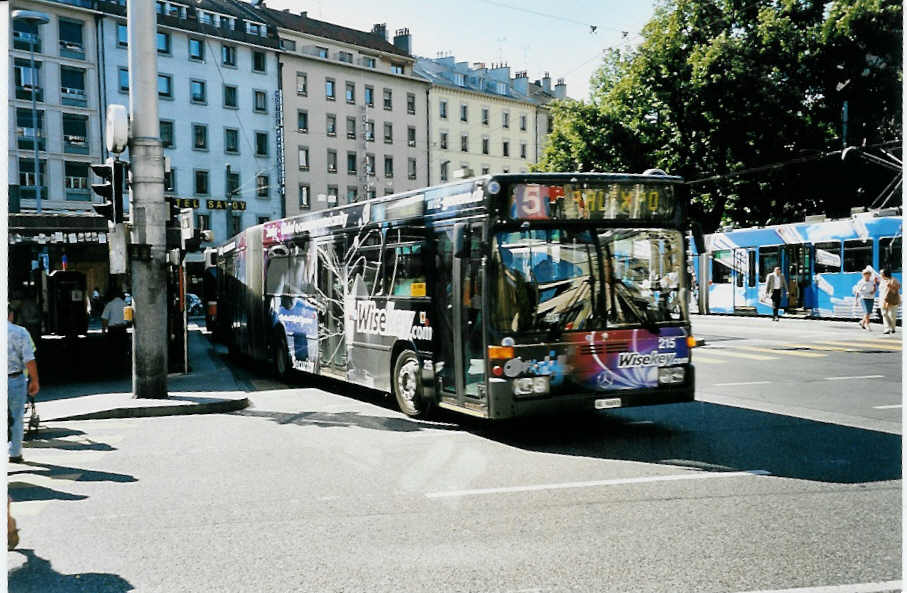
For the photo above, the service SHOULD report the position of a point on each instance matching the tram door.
(746, 284)
(797, 269)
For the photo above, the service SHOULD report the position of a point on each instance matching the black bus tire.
(406, 384)
(281, 358)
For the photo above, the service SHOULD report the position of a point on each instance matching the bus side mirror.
(698, 239)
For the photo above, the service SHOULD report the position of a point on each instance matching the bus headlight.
(671, 375)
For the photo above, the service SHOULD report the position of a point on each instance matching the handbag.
(893, 297)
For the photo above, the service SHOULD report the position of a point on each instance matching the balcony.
(25, 139)
(24, 41)
(28, 192)
(25, 92)
(72, 49)
(73, 97)
(75, 144)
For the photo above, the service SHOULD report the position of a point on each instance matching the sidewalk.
(211, 387)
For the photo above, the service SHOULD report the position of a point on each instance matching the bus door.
(471, 320)
(442, 292)
(332, 337)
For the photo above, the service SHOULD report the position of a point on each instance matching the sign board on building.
(225, 204)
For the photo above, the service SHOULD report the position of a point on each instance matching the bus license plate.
(602, 404)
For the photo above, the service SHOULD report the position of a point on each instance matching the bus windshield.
(590, 279)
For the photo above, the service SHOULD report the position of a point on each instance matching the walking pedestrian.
(113, 325)
(20, 350)
(889, 300)
(774, 287)
(865, 291)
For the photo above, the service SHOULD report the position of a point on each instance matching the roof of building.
(441, 72)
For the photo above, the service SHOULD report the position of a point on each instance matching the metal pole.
(34, 121)
(149, 210)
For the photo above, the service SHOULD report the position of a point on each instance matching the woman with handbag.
(889, 300)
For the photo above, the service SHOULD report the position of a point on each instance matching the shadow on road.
(38, 576)
(75, 474)
(27, 492)
(339, 419)
(713, 437)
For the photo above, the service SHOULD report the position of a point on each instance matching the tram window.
(828, 257)
(751, 268)
(769, 259)
(857, 255)
(890, 253)
(721, 266)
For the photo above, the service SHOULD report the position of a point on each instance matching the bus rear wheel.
(407, 385)
(281, 358)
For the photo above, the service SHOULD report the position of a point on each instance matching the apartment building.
(218, 104)
(479, 118)
(355, 113)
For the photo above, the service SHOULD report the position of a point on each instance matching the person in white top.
(113, 324)
(865, 291)
(774, 286)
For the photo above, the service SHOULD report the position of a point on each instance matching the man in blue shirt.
(20, 358)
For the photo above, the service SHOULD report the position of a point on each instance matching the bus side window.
(406, 269)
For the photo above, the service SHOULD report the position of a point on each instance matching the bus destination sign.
(607, 201)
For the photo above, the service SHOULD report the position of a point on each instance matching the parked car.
(194, 304)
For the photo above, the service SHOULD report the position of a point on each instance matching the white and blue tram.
(821, 261)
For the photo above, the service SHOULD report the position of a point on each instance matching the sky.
(533, 35)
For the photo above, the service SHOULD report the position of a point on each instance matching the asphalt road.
(790, 484)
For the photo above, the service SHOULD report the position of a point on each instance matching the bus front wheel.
(281, 357)
(407, 385)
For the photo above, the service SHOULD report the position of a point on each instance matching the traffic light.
(113, 172)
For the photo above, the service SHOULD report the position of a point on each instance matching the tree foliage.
(718, 87)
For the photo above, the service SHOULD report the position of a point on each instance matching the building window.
(351, 163)
(443, 140)
(443, 109)
(262, 219)
(75, 132)
(505, 119)
(166, 130)
(411, 137)
(196, 49)
(411, 103)
(72, 86)
(75, 181)
(203, 222)
(28, 183)
(523, 123)
(200, 137)
(352, 194)
(260, 101)
(262, 185)
(123, 80)
(370, 96)
(484, 144)
(351, 128)
(259, 61)
(330, 92)
(198, 92)
(302, 84)
(231, 140)
(370, 130)
(26, 129)
(165, 86)
(303, 158)
(368, 62)
(332, 194)
(235, 224)
(231, 97)
(464, 113)
(370, 164)
(484, 116)
(261, 144)
(302, 121)
(331, 126)
(232, 184)
(397, 68)
(288, 44)
(201, 183)
(122, 36)
(170, 180)
(71, 45)
(351, 93)
(411, 168)
(459, 79)
(304, 196)
(388, 167)
(228, 55)
(522, 150)
(163, 43)
(485, 170)
(322, 51)
(388, 99)
(371, 194)
(444, 167)
(345, 56)
(332, 161)
(388, 133)
(505, 148)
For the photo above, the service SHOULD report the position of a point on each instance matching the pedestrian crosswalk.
(723, 353)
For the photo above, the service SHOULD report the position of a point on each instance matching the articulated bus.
(821, 261)
(495, 296)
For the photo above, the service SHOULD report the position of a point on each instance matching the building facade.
(219, 108)
(480, 119)
(355, 115)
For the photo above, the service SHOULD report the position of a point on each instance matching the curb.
(221, 407)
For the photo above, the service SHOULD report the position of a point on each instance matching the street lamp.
(34, 18)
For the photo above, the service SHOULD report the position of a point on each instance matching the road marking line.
(880, 343)
(785, 352)
(820, 347)
(859, 346)
(620, 481)
(891, 407)
(854, 588)
(856, 377)
(706, 359)
(742, 355)
(742, 383)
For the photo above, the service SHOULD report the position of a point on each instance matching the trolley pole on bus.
(149, 210)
